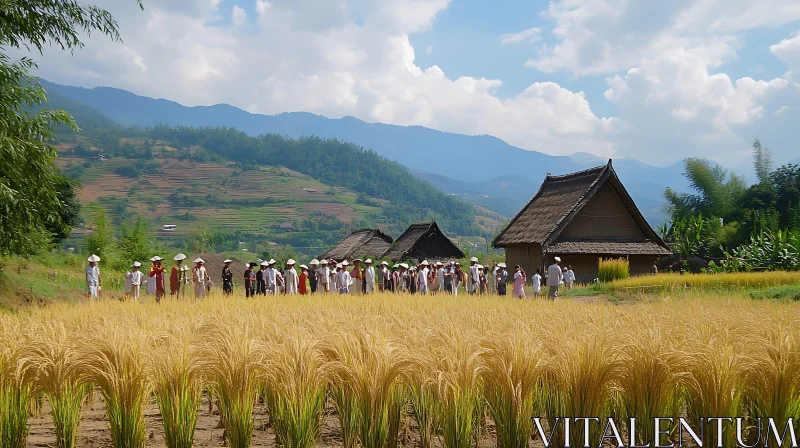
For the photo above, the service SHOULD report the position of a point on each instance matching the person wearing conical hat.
(176, 275)
(261, 279)
(422, 277)
(473, 282)
(136, 279)
(227, 278)
(157, 274)
(323, 276)
(301, 284)
(271, 277)
(369, 277)
(502, 279)
(250, 280)
(93, 281)
(290, 278)
(199, 278)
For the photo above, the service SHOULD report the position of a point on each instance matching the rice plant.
(647, 380)
(16, 389)
(178, 385)
(579, 378)
(612, 269)
(513, 371)
(115, 361)
(296, 375)
(715, 363)
(231, 360)
(459, 368)
(53, 353)
(773, 379)
(367, 374)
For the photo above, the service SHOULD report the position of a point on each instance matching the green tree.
(762, 162)
(716, 191)
(101, 240)
(29, 198)
(135, 241)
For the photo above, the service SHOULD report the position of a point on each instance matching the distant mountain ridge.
(476, 161)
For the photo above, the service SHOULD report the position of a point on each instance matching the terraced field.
(212, 195)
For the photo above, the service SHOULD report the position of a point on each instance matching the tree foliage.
(754, 228)
(30, 202)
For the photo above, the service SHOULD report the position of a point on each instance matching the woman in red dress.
(302, 280)
(157, 271)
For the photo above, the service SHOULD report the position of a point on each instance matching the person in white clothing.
(386, 277)
(439, 277)
(93, 280)
(554, 278)
(473, 281)
(369, 276)
(199, 278)
(422, 277)
(537, 283)
(291, 279)
(323, 274)
(343, 278)
(271, 277)
(569, 277)
(136, 279)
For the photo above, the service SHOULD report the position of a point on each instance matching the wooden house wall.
(605, 216)
(528, 256)
(585, 266)
(642, 264)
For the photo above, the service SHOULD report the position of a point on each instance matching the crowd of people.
(331, 277)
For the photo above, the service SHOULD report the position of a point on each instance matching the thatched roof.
(362, 242)
(423, 240)
(559, 200)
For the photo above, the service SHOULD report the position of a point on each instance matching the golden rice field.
(385, 370)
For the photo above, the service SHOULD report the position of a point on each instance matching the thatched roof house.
(361, 243)
(581, 217)
(423, 241)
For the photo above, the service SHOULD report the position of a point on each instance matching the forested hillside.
(224, 188)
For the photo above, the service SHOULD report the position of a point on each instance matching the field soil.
(94, 431)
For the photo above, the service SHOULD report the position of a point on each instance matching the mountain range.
(482, 169)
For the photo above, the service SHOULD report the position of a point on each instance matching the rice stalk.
(579, 378)
(458, 390)
(116, 362)
(513, 370)
(715, 367)
(230, 359)
(55, 357)
(773, 379)
(295, 385)
(367, 371)
(16, 389)
(177, 387)
(647, 381)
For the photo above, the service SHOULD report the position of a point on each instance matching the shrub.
(612, 269)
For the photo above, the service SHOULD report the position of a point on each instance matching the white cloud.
(788, 50)
(529, 35)
(330, 58)
(238, 16)
(429, 50)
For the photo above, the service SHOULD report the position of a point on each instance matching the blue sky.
(656, 81)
